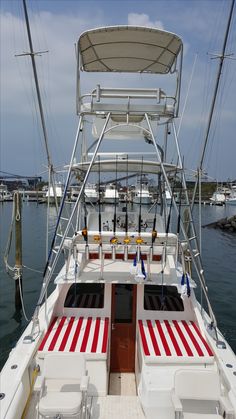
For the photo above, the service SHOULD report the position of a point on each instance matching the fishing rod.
(98, 237)
(140, 274)
(140, 200)
(154, 232)
(126, 206)
(115, 207)
(99, 198)
(114, 239)
(126, 239)
(139, 240)
(171, 202)
(164, 255)
(85, 229)
(165, 245)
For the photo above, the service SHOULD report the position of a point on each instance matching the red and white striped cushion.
(173, 341)
(71, 334)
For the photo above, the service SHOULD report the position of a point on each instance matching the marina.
(127, 308)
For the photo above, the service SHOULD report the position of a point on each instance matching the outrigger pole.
(221, 57)
(198, 266)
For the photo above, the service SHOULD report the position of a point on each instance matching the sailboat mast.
(45, 136)
(32, 56)
(221, 56)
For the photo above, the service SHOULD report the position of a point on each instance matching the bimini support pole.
(49, 273)
(200, 272)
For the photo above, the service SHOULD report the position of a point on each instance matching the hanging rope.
(14, 272)
(15, 217)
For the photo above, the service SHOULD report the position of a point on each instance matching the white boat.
(231, 199)
(123, 334)
(5, 195)
(91, 193)
(220, 196)
(141, 192)
(110, 194)
(51, 192)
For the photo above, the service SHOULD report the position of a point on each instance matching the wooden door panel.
(123, 329)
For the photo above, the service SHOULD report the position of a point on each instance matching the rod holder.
(87, 252)
(126, 251)
(102, 263)
(113, 251)
(100, 252)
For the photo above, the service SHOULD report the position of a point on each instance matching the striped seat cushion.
(173, 341)
(71, 334)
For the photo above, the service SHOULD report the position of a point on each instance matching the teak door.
(123, 316)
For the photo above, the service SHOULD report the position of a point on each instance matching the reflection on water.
(219, 257)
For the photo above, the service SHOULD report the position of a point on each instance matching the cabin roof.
(128, 49)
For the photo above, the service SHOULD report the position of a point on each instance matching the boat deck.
(116, 407)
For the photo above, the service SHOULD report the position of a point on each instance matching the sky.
(56, 26)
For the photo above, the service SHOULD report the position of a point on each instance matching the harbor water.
(219, 257)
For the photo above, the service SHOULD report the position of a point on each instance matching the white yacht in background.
(110, 194)
(220, 196)
(74, 192)
(231, 199)
(91, 193)
(5, 195)
(51, 193)
(141, 192)
(123, 334)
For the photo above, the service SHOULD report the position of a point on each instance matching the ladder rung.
(59, 235)
(192, 238)
(55, 251)
(196, 254)
(64, 219)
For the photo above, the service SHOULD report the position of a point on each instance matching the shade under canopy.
(128, 49)
(148, 167)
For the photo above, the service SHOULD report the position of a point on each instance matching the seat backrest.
(197, 384)
(63, 365)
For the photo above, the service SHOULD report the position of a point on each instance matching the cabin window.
(164, 298)
(85, 296)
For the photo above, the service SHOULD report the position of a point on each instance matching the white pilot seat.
(64, 387)
(197, 395)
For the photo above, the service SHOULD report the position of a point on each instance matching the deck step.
(116, 407)
(122, 384)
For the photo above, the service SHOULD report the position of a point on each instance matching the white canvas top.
(133, 166)
(128, 49)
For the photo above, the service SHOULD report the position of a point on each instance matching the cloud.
(141, 19)
(57, 32)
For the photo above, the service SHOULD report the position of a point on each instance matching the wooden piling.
(18, 250)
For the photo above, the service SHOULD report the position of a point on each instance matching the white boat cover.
(128, 49)
(133, 165)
